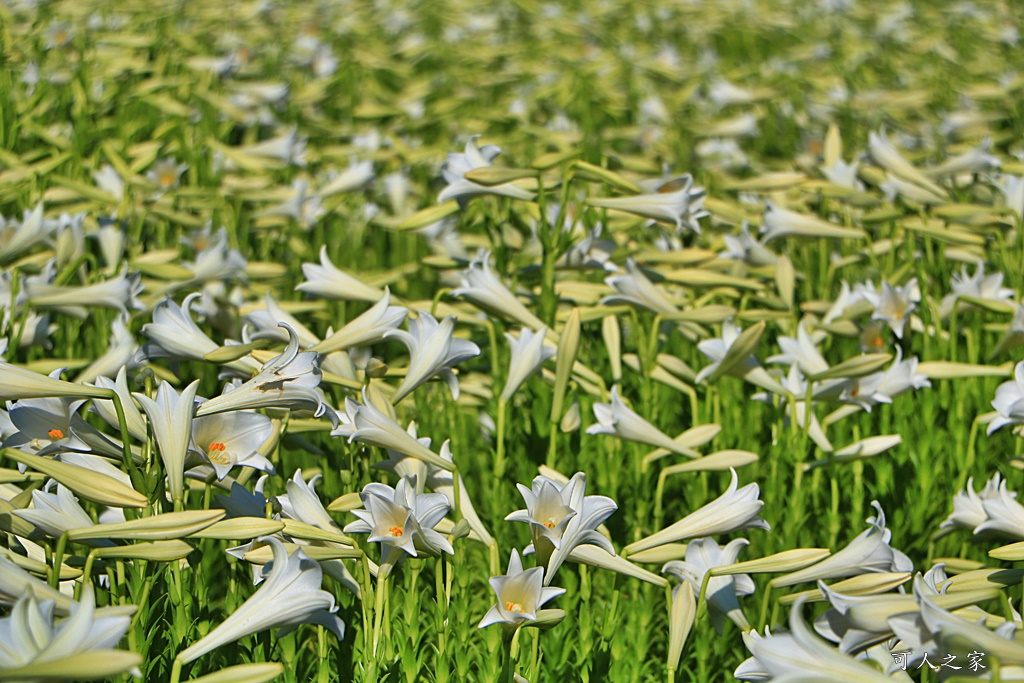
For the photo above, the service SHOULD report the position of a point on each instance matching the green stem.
(499, 461)
(58, 560)
(176, 671)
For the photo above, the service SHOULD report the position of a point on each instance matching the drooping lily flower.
(703, 555)
(485, 289)
(456, 166)
(528, 355)
(327, 281)
(432, 351)
(617, 419)
(368, 328)
(286, 381)
(289, 596)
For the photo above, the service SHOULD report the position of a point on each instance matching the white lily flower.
(485, 289)
(801, 352)
(108, 180)
(676, 201)
(286, 381)
(617, 419)
(894, 305)
(951, 632)
(266, 321)
(562, 517)
(734, 510)
(723, 93)
(778, 222)
(173, 333)
(120, 352)
(432, 351)
(722, 592)
(327, 281)
(401, 520)
(16, 583)
(170, 417)
(969, 505)
(744, 247)
(302, 503)
(233, 439)
(521, 593)
(55, 514)
(305, 207)
(802, 656)
(1009, 401)
(456, 166)
(368, 328)
(975, 160)
(528, 355)
(880, 387)
(215, 259)
(844, 175)
(1012, 187)
(895, 187)
(44, 425)
(885, 154)
(166, 174)
(358, 174)
(590, 253)
(1002, 513)
(105, 407)
(977, 286)
(119, 292)
(868, 552)
(634, 288)
(290, 596)
(110, 238)
(289, 149)
(17, 237)
(368, 424)
(31, 635)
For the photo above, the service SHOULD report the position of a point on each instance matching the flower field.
(530, 341)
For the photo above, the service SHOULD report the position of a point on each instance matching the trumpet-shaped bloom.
(365, 423)
(617, 419)
(676, 201)
(734, 510)
(304, 207)
(267, 321)
(561, 518)
(53, 514)
(722, 592)
(289, 596)
(215, 259)
(233, 439)
(327, 281)
(456, 166)
(801, 656)
(119, 292)
(17, 237)
(1002, 513)
(401, 520)
(170, 416)
(173, 333)
(528, 355)
(286, 381)
(843, 174)
(880, 387)
(1009, 401)
(481, 286)
(302, 503)
(44, 425)
(432, 351)
(744, 247)
(868, 552)
(893, 305)
(358, 174)
(801, 352)
(166, 174)
(369, 328)
(634, 288)
(969, 505)
(977, 286)
(31, 634)
(520, 593)
(120, 353)
(106, 410)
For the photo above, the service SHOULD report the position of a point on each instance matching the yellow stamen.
(395, 531)
(217, 446)
(549, 524)
(55, 434)
(514, 607)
